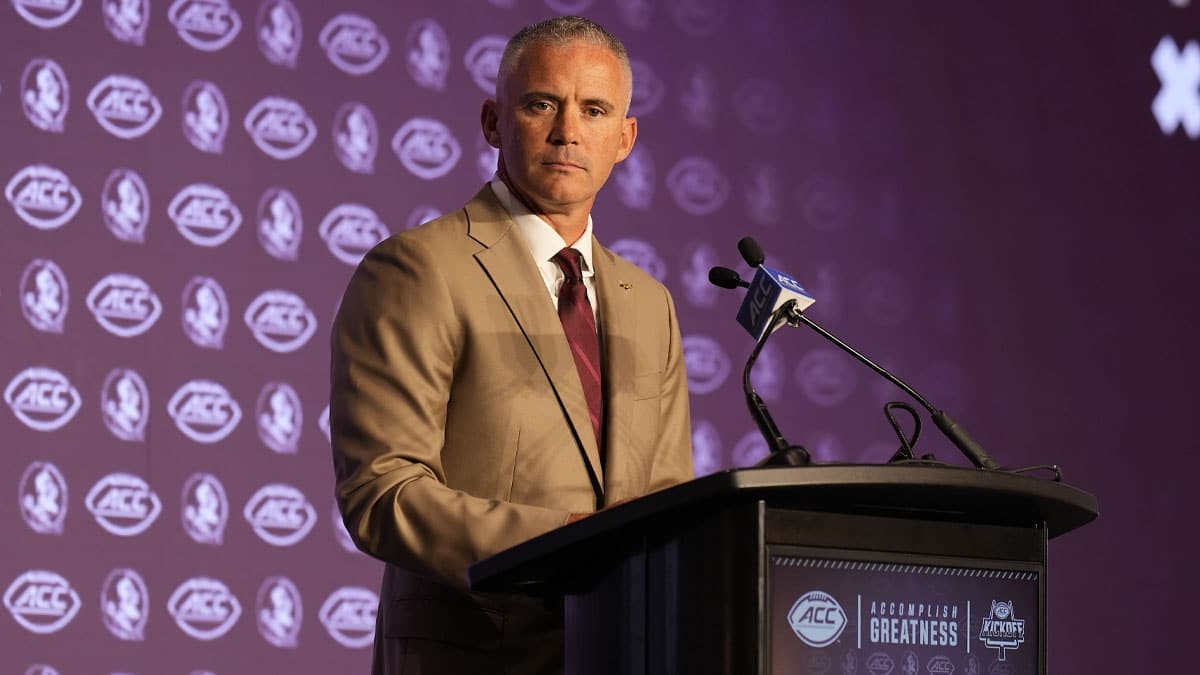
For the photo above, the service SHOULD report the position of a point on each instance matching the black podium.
(832, 569)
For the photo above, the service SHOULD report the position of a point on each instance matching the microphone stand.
(781, 453)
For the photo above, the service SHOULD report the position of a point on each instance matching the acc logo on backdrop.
(426, 147)
(697, 185)
(125, 404)
(45, 14)
(205, 312)
(205, 117)
(428, 54)
(42, 398)
(635, 179)
(42, 601)
(125, 604)
(823, 203)
(879, 663)
(279, 32)
(204, 214)
(126, 205)
(205, 508)
(207, 25)
(280, 321)
(350, 230)
(323, 423)
(279, 612)
(280, 224)
(707, 364)
(356, 137)
(41, 669)
(698, 258)
(706, 447)
(280, 514)
(280, 417)
(699, 18)
(123, 504)
(749, 449)
(699, 97)
(43, 495)
(349, 616)
(204, 411)
(421, 215)
(204, 608)
(817, 619)
(648, 89)
(483, 61)
(44, 295)
(280, 127)
(824, 377)
(124, 106)
(353, 43)
(126, 20)
(642, 254)
(43, 196)
(124, 305)
(762, 106)
(45, 95)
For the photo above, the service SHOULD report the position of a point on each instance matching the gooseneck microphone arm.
(782, 453)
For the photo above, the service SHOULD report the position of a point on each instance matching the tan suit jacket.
(460, 428)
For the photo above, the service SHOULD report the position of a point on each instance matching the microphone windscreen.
(725, 278)
(751, 252)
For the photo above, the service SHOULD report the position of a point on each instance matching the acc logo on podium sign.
(817, 619)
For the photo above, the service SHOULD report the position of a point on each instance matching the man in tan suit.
(466, 415)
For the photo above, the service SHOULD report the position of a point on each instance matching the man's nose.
(566, 128)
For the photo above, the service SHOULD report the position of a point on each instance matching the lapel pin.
(626, 285)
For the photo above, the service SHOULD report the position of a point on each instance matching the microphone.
(770, 291)
(726, 278)
(751, 252)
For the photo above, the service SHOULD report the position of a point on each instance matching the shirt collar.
(540, 238)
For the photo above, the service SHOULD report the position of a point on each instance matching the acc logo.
(421, 215)
(204, 608)
(279, 612)
(764, 194)
(42, 601)
(126, 205)
(45, 95)
(279, 32)
(41, 669)
(349, 616)
(47, 13)
(824, 377)
(341, 533)
(698, 258)
(280, 224)
(483, 61)
(817, 619)
(749, 449)
(124, 305)
(697, 185)
(353, 43)
(823, 203)
(280, 127)
(635, 179)
(42, 398)
(648, 89)
(279, 417)
(706, 444)
(426, 147)
(124, 604)
(880, 663)
(940, 665)
(356, 137)
(204, 411)
(761, 106)
(205, 508)
(280, 514)
(642, 254)
(207, 25)
(699, 97)
(700, 18)
(205, 116)
(428, 54)
(125, 404)
(43, 493)
(43, 196)
(204, 214)
(124, 106)
(280, 321)
(323, 423)
(707, 364)
(205, 312)
(127, 20)
(350, 230)
(1002, 630)
(44, 295)
(123, 504)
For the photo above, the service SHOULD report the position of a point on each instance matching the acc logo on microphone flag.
(43, 196)
(124, 106)
(124, 305)
(43, 495)
(697, 185)
(43, 602)
(280, 321)
(353, 43)
(280, 514)
(205, 508)
(350, 230)
(279, 32)
(44, 296)
(42, 398)
(483, 61)
(204, 214)
(125, 604)
(280, 127)
(126, 205)
(125, 404)
(426, 147)
(127, 21)
(280, 612)
(280, 224)
(45, 95)
(817, 619)
(123, 504)
(45, 14)
(204, 411)
(207, 25)
(204, 608)
(349, 616)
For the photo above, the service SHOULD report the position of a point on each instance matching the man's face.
(559, 122)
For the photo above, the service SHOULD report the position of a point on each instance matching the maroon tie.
(579, 324)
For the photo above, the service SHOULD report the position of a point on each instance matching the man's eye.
(595, 112)
(541, 106)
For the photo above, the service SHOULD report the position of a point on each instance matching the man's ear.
(628, 137)
(489, 121)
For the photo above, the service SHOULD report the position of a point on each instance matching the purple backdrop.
(997, 202)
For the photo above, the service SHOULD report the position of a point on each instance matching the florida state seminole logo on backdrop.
(127, 19)
(42, 601)
(279, 32)
(205, 508)
(280, 418)
(205, 312)
(45, 95)
(280, 224)
(428, 54)
(356, 137)
(125, 605)
(44, 296)
(205, 117)
(43, 496)
(280, 612)
(125, 202)
(125, 404)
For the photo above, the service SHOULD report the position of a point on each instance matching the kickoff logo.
(817, 619)
(47, 14)
(42, 398)
(43, 602)
(45, 95)
(124, 106)
(356, 138)
(483, 61)
(204, 608)
(350, 230)
(126, 205)
(43, 196)
(280, 514)
(124, 604)
(127, 19)
(205, 312)
(428, 54)
(426, 147)
(707, 364)
(207, 25)
(125, 404)
(280, 418)
(204, 214)
(43, 493)
(205, 509)
(697, 185)
(280, 321)
(205, 117)
(280, 612)
(124, 305)
(123, 504)
(353, 43)
(44, 296)
(349, 616)
(204, 411)
(280, 127)
(280, 224)
(279, 32)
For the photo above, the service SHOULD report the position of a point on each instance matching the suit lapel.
(618, 326)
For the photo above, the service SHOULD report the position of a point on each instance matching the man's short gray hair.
(561, 30)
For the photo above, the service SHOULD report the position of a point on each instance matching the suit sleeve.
(394, 346)
(672, 461)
